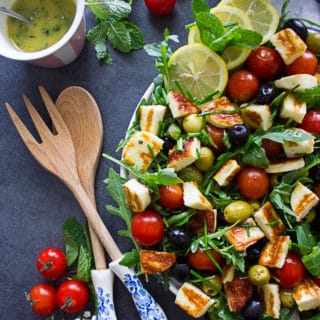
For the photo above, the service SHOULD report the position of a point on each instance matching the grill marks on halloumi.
(181, 106)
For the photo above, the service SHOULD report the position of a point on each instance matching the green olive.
(191, 173)
(205, 162)
(237, 211)
(259, 275)
(255, 206)
(192, 123)
(311, 215)
(275, 179)
(286, 298)
(174, 131)
(313, 42)
(212, 286)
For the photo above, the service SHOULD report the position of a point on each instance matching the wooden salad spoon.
(81, 114)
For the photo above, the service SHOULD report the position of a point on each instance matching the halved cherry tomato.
(51, 263)
(265, 62)
(147, 227)
(292, 271)
(243, 86)
(272, 148)
(216, 135)
(200, 260)
(72, 296)
(171, 197)
(160, 7)
(42, 298)
(253, 183)
(306, 63)
(311, 122)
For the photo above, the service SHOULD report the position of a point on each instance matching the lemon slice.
(233, 56)
(263, 16)
(198, 70)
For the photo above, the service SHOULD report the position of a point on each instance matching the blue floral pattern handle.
(147, 307)
(103, 284)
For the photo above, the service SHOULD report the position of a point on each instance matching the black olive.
(266, 93)
(179, 237)
(253, 251)
(181, 272)
(253, 310)
(298, 27)
(221, 221)
(168, 144)
(315, 173)
(238, 134)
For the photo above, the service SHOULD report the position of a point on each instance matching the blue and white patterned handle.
(147, 307)
(103, 284)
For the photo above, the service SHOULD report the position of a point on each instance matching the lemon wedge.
(233, 56)
(264, 17)
(197, 70)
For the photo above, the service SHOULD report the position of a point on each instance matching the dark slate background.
(33, 203)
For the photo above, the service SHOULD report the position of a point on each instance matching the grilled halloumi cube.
(220, 119)
(241, 237)
(228, 271)
(181, 159)
(285, 165)
(238, 292)
(293, 109)
(307, 295)
(274, 253)
(137, 195)
(289, 45)
(302, 200)
(294, 149)
(227, 172)
(271, 297)
(257, 116)
(194, 198)
(153, 262)
(297, 82)
(192, 300)
(269, 221)
(151, 117)
(180, 105)
(137, 151)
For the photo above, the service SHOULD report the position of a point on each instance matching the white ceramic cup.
(59, 54)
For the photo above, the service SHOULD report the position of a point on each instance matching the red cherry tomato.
(171, 197)
(147, 227)
(160, 7)
(292, 271)
(200, 260)
(307, 63)
(42, 298)
(265, 62)
(51, 263)
(242, 86)
(272, 148)
(216, 135)
(253, 183)
(311, 122)
(72, 296)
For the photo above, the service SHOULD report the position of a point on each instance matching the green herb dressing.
(50, 21)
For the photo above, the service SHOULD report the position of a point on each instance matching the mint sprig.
(112, 26)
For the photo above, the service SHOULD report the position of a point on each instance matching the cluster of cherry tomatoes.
(71, 295)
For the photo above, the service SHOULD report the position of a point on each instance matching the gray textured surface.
(33, 203)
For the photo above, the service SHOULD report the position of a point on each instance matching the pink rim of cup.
(59, 54)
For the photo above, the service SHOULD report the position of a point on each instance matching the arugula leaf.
(130, 259)
(305, 238)
(312, 260)
(310, 96)
(256, 156)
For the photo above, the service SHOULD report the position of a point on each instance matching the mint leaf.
(199, 6)
(136, 36)
(119, 36)
(245, 38)
(84, 265)
(109, 9)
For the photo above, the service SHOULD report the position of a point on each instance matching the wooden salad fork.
(56, 153)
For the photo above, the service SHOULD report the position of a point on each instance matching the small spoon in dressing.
(14, 14)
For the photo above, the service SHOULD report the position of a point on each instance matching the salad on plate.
(220, 172)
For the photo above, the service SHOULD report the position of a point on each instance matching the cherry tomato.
(292, 271)
(51, 263)
(200, 259)
(265, 62)
(42, 298)
(272, 148)
(307, 63)
(243, 86)
(160, 7)
(311, 122)
(171, 197)
(147, 227)
(216, 135)
(72, 296)
(253, 183)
